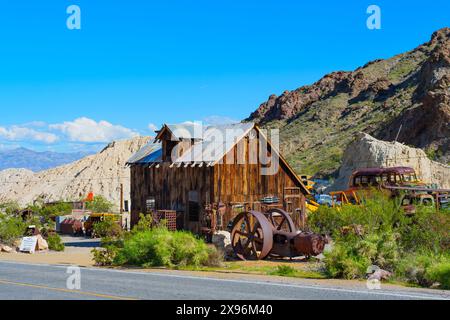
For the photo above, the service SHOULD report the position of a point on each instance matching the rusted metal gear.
(251, 236)
(281, 220)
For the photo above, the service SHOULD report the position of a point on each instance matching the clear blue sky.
(139, 62)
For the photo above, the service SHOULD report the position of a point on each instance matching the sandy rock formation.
(101, 173)
(366, 151)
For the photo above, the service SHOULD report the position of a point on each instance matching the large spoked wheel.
(251, 236)
(281, 220)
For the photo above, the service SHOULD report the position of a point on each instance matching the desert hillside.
(410, 91)
(101, 173)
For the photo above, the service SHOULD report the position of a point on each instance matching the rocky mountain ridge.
(407, 96)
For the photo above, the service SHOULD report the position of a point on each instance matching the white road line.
(324, 288)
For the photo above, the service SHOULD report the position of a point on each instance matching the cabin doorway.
(193, 211)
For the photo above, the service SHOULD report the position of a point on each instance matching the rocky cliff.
(101, 173)
(366, 151)
(407, 95)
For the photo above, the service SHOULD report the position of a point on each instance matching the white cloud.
(152, 127)
(22, 133)
(89, 131)
(218, 120)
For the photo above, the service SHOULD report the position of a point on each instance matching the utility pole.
(398, 133)
(121, 198)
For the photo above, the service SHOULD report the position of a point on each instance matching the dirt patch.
(71, 256)
(77, 252)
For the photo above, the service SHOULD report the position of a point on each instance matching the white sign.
(28, 244)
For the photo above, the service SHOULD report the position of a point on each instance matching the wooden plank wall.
(169, 186)
(243, 183)
(232, 183)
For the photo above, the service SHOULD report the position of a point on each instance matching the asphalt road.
(26, 282)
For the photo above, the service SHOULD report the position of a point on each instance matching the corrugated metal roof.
(144, 152)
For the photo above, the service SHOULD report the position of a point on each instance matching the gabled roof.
(217, 141)
(191, 130)
(209, 148)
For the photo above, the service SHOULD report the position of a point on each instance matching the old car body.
(374, 177)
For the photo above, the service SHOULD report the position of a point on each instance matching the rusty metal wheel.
(281, 220)
(251, 236)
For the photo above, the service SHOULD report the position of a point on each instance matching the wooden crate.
(169, 216)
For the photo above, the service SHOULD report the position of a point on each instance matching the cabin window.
(357, 180)
(150, 204)
(194, 206)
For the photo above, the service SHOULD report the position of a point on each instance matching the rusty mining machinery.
(256, 236)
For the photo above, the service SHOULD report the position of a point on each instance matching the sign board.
(28, 244)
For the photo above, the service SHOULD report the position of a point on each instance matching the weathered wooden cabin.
(189, 167)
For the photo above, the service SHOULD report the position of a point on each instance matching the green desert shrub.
(352, 255)
(9, 208)
(11, 229)
(55, 243)
(376, 214)
(145, 223)
(426, 230)
(439, 273)
(108, 228)
(49, 212)
(159, 247)
(99, 205)
(414, 247)
(105, 256)
(425, 269)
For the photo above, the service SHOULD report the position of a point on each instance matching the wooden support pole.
(121, 198)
